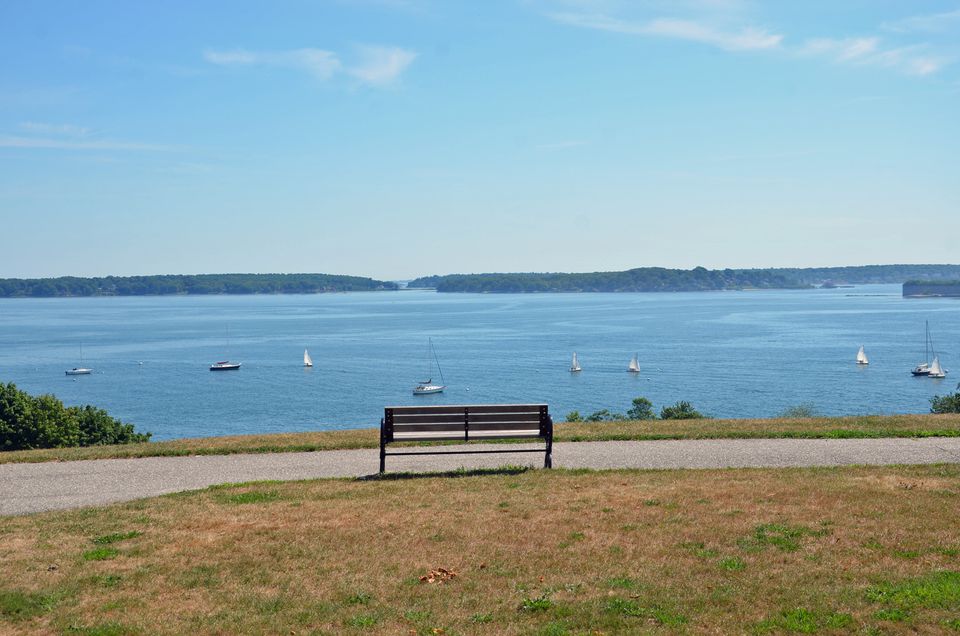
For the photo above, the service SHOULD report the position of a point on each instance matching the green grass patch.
(100, 554)
(804, 621)
(622, 583)
(939, 590)
(101, 629)
(537, 604)
(894, 614)
(732, 564)
(630, 607)
(784, 537)
(19, 606)
(699, 550)
(251, 497)
(107, 539)
(362, 620)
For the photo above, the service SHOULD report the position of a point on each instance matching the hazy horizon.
(398, 138)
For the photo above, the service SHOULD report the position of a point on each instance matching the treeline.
(42, 421)
(867, 274)
(165, 285)
(931, 288)
(653, 279)
(644, 279)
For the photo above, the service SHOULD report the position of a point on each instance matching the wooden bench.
(466, 423)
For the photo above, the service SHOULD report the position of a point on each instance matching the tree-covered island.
(656, 279)
(165, 285)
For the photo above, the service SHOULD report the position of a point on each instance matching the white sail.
(307, 361)
(634, 366)
(862, 357)
(935, 370)
(575, 364)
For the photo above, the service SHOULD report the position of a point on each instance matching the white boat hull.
(428, 389)
(225, 366)
(79, 371)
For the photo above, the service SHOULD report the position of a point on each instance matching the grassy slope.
(864, 426)
(864, 550)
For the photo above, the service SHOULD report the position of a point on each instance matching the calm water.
(732, 354)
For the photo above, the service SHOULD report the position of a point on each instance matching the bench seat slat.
(478, 426)
(440, 435)
(483, 408)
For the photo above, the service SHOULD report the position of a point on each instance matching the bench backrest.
(466, 422)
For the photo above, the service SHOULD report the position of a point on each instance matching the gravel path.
(27, 488)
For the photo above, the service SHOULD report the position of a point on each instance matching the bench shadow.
(473, 472)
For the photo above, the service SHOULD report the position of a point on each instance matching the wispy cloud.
(743, 39)
(69, 130)
(726, 24)
(375, 65)
(60, 143)
(930, 23)
(319, 63)
(868, 51)
(41, 135)
(381, 64)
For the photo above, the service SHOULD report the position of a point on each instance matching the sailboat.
(426, 387)
(575, 364)
(923, 369)
(307, 360)
(936, 371)
(80, 370)
(634, 366)
(226, 365)
(862, 357)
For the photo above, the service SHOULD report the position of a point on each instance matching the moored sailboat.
(226, 365)
(862, 357)
(426, 387)
(79, 370)
(575, 364)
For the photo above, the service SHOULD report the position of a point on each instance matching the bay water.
(731, 354)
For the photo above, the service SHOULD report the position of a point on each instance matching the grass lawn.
(864, 550)
(832, 427)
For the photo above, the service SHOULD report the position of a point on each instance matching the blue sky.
(394, 138)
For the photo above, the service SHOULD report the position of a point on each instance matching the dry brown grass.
(538, 552)
(833, 427)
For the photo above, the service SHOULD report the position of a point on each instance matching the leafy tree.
(598, 416)
(43, 422)
(682, 410)
(642, 409)
(946, 403)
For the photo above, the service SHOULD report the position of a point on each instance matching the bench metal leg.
(548, 456)
(383, 459)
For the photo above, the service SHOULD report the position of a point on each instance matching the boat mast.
(434, 351)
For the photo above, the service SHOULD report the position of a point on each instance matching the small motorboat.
(225, 365)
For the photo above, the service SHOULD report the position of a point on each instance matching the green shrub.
(682, 410)
(43, 421)
(574, 416)
(946, 404)
(642, 409)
